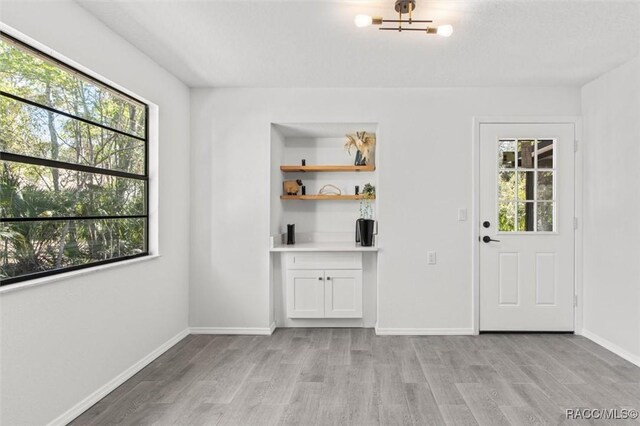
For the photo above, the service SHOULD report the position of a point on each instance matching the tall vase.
(291, 234)
(366, 227)
(359, 159)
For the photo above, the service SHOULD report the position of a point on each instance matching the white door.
(305, 293)
(526, 227)
(343, 293)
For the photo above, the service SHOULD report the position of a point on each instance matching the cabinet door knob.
(319, 278)
(328, 278)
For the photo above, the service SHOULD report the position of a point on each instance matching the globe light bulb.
(445, 30)
(363, 20)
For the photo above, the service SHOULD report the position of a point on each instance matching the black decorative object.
(291, 234)
(304, 190)
(357, 190)
(365, 231)
(360, 161)
(304, 162)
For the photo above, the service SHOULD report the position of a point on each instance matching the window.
(73, 168)
(526, 177)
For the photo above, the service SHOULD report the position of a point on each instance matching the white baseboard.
(622, 353)
(423, 331)
(103, 391)
(322, 323)
(262, 331)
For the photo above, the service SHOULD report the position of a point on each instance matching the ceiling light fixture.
(404, 7)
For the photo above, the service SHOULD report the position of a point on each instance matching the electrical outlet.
(431, 257)
(462, 215)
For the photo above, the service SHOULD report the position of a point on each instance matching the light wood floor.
(352, 376)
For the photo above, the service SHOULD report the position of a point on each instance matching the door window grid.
(526, 185)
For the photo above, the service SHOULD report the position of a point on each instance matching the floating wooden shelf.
(337, 168)
(321, 197)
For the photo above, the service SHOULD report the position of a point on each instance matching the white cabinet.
(305, 294)
(332, 289)
(343, 293)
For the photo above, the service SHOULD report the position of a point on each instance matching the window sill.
(74, 274)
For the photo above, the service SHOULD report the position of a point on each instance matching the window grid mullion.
(66, 114)
(66, 218)
(72, 70)
(25, 159)
(42, 274)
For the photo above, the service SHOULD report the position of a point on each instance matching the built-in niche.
(325, 226)
(327, 162)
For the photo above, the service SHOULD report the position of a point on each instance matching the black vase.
(359, 160)
(364, 232)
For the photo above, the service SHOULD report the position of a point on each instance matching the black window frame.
(24, 159)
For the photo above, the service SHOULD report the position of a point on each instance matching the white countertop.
(322, 246)
(319, 241)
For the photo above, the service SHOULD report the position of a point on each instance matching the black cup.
(291, 234)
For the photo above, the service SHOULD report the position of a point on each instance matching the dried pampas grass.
(363, 142)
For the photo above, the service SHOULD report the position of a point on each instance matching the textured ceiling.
(315, 43)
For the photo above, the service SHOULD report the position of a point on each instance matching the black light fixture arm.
(407, 21)
(424, 30)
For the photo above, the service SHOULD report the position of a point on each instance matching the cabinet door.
(343, 293)
(305, 293)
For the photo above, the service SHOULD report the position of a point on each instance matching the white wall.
(62, 341)
(424, 140)
(611, 114)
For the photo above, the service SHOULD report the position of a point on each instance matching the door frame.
(576, 121)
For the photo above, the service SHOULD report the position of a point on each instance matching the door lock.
(488, 239)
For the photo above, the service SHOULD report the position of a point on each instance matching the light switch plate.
(431, 257)
(462, 215)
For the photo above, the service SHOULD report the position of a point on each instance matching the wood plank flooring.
(353, 377)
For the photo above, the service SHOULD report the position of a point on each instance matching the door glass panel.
(507, 186)
(545, 216)
(525, 217)
(507, 154)
(545, 185)
(507, 217)
(544, 154)
(525, 154)
(526, 185)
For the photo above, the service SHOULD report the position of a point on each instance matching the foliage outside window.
(73, 168)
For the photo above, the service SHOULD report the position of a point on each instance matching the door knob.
(488, 239)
